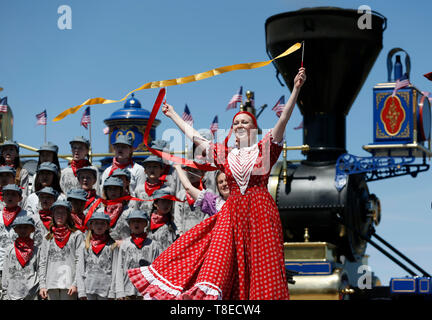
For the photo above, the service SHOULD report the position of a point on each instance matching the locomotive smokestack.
(339, 55)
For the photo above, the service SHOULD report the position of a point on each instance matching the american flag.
(85, 119)
(187, 117)
(280, 104)
(41, 118)
(401, 83)
(3, 105)
(214, 126)
(238, 97)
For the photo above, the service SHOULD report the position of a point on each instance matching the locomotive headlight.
(373, 208)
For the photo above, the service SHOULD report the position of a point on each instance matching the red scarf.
(189, 198)
(78, 219)
(24, 250)
(157, 221)
(152, 187)
(46, 218)
(114, 211)
(61, 235)
(139, 239)
(78, 164)
(98, 242)
(91, 196)
(9, 215)
(116, 165)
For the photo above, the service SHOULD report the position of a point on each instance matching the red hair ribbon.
(240, 112)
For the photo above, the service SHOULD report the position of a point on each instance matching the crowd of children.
(73, 233)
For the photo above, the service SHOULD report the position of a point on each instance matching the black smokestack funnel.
(338, 57)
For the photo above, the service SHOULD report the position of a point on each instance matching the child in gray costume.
(135, 251)
(43, 216)
(59, 255)
(12, 195)
(162, 228)
(20, 279)
(97, 261)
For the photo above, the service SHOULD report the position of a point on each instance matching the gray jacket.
(96, 273)
(130, 256)
(186, 216)
(164, 235)
(20, 283)
(58, 266)
(7, 236)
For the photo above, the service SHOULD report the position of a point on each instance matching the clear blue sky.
(116, 46)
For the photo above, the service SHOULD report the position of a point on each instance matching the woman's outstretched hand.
(168, 110)
(300, 78)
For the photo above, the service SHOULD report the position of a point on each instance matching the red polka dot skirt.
(236, 254)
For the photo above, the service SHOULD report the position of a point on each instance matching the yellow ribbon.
(183, 80)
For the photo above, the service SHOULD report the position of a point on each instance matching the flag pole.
(90, 149)
(45, 132)
(303, 45)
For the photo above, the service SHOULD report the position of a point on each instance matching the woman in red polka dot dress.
(236, 254)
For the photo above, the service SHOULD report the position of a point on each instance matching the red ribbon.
(164, 155)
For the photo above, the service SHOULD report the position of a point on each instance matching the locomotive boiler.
(325, 228)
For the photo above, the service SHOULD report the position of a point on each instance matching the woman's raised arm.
(279, 128)
(188, 130)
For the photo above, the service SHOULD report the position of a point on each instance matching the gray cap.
(48, 166)
(159, 193)
(99, 215)
(61, 203)
(138, 214)
(48, 190)
(9, 143)
(88, 168)
(80, 139)
(124, 139)
(160, 144)
(122, 172)
(7, 169)
(79, 194)
(12, 187)
(48, 146)
(24, 219)
(153, 158)
(113, 181)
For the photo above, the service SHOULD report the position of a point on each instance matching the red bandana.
(139, 239)
(91, 196)
(24, 249)
(189, 198)
(9, 215)
(116, 165)
(46, 218)
(78, 219)
(152, 187)
(98, 242)
(157, 221)
(61, 235)
(78, 164)
(114, 211)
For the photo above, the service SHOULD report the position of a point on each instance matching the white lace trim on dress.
(174, 290)
(241, 163)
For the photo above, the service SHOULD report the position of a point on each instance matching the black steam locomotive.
(326, 229)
